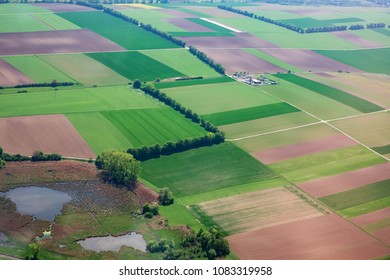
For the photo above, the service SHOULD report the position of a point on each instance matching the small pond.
(39, 202)
(111, 243)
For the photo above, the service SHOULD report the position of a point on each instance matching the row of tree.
(326, 29)
(54, 83)
(203, 57)
(36, 156)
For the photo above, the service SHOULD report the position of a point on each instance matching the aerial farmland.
(267, 125)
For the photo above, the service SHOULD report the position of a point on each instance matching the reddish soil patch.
(304, 148)
(49, 134)
(144, 194)
(235, 60)
(328, 237)
(58, 8)
(48, 42)
(357, 40)
(10, 76)
(372, 217)
(309, 60)
(383, 234)
(346, 181)
(240, 40)
(188, 25)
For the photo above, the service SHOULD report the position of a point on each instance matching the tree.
(2, 162)
(32, 251)
(137, 84)
(165, 196)
(118, 167)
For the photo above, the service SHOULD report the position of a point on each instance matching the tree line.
(36, 156)
(203, 57)
(52, 84)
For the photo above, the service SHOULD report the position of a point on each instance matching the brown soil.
(346, 181)
(240, 40)
(308, 60)
(50, 42)
(235, 60)
(372, 217)
(364, 43)
(328, 237)
(188, 25)
(144, 194)
(58, 8)
(48, 133)
(10, 76)
(383, 234)
(304, 148)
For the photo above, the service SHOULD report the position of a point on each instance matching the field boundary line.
(43, 22)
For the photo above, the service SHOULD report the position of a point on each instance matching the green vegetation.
(152, 126)
(273, 60)
(210, 25)
(306, 22)
(326, 163)
(177, 215)
(365, 208)
(133, 65)
(370, 60)
(333, 93)
(21, 23)
(202, 34)
(165, 197)
(383, 149)
(184, 83)
(16, 8)
(56, 22)
(204, 169)
(382, 31)
(119, 31)
(247, 114)
(381, 224)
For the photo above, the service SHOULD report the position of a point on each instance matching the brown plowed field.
(304, 148)
(240, 40)
(50, 42)
(372, 217)
(188, 25)
(58, 7)
(356, 39)
(309, 61)
(10, 76)
(346, 181)
(235, 60)
(383, 234)
(49, 134)
(328, 237)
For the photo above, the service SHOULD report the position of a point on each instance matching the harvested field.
(10, 76)
(177, 13)
(257, 210)
(372, 217)
(51, 42)
(383, 234)
(188, 25)
(214, 12)
(58, 7)
(308, 60)
(327, 237)
(346, 181)
(49, 134)
(364, 43)
(240, 40)
(235, 60)
(304, 148)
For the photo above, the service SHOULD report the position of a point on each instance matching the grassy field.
(56, 22)
(306, 168)
(365, 208)
(121, 32)
(73, 100)
(210, 25)
(373, 60)
(21, 23)
(38, 69)
(372, 35)
(99, 133)
(15, 8)
(135, 65)
(207, 99)
(333, 93)
(383, 149)
(182, 61)
(217, 80)
(247, 114)
(204, 169)
(152, 126)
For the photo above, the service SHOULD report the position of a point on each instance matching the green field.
(21, 23)
(365, 208)
(37, 69)
(382, 149)
(247, 114)
(373, 60)
(135, 65)
(362, 195)
(333, 93)
(204, 169)
(306, 168)
(182, 61)
(73, 100)
(306, 22)
(210, 25)
(151, 126)
(15, 8)
(56, 22)
(218, 80)
(207, 99)
(119, 31)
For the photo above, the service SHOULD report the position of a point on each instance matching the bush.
(137, 84)
(2, 163)
(165, 196)
(40, 156)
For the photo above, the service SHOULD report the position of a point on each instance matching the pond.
(39, 202)
(111, 243)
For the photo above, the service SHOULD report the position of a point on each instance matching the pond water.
(39, 202)
(111, 243)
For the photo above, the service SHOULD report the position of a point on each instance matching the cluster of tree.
(376, 25)
(2, 162)
(165, 197)
(356, 27)
(203, 57)
(118, 167)
(33, 249)
(52, 84)
(202, 245)
(326, 29)
(134, 21)
(149, 210)
(40, 156)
